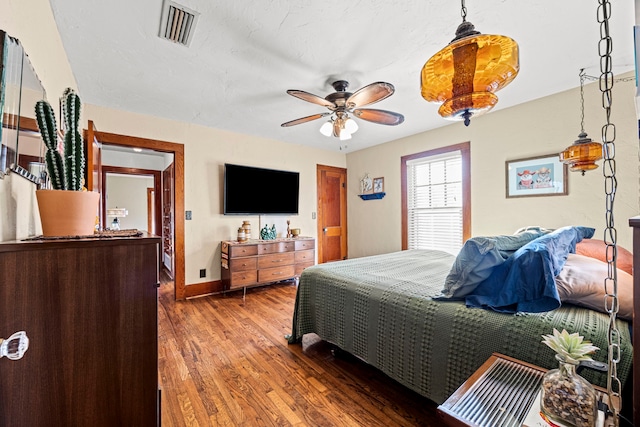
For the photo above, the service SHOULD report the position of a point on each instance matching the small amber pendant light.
(582, 155)
(466, 73)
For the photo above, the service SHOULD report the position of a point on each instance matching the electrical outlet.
(203, 272)
(188, 215)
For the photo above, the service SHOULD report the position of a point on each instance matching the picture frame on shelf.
(378, 185)
(366, 185)
(536, 176)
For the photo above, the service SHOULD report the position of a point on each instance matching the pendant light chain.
(463, 12)
(582, 76)
(605, 45)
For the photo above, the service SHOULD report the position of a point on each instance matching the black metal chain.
(605, 47)
(463, 12)
(582, 76)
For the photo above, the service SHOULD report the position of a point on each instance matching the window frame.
(465, 151)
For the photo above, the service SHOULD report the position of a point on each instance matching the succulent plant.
(67, 173)
(571, 347)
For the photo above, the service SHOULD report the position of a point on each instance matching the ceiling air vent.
(177, 23)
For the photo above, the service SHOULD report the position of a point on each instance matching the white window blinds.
(434, 202)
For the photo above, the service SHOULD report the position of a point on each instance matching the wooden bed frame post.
(635, 223)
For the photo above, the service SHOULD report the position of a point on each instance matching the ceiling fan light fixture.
(327, 128)
(465, 74)
(344, 135)
(342, 105)
(351, 126)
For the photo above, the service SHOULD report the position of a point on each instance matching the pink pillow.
(597, 249)
(581, 282)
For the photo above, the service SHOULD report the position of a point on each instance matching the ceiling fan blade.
(370, 94)
(304, 120)
(382, 117)
(309, 97)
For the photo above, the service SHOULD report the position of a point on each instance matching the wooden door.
(93, 178)
(167, 218)
(332, 213)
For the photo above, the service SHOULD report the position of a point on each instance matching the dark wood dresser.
(89, 309)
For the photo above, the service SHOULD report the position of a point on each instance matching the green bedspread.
(379, 308)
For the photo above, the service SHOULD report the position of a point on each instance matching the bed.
(384, 310)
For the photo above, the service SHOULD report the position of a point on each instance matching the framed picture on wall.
(366, 185)
(378, 185)
(536, 176)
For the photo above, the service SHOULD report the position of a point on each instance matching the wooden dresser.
(89, 309)
(259, 262)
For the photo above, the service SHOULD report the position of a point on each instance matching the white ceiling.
(245, 54)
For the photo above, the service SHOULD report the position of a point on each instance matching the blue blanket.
(525, 282)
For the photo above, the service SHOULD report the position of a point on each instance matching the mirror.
(21, 148)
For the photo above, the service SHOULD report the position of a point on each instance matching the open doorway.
(135, 190)
(176, 150)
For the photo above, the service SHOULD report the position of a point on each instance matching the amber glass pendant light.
(466, 73)
(582, 155)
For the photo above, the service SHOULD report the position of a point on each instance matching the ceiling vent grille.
(177, 23)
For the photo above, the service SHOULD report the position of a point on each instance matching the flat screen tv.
(257, 191)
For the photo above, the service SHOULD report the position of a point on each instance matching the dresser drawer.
(242, 250)
(243, 278)
(305, 244)
(288, 246)
(305, 256)
(267, 248)
(241, 264)
(301, 267)
(276, 247)
(276, 273)
(274, 260)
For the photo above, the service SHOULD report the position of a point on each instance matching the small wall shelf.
(372, 196)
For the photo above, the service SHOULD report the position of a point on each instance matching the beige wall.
(545, 126)
(31, 21)
(206, 151)
(129, 192)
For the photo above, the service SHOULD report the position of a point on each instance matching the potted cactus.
(566, 396)
(67, 209)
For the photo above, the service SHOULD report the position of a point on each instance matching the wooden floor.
(225, 362)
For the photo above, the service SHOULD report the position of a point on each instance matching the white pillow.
(581, 282)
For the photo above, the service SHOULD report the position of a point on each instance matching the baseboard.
(204, 288)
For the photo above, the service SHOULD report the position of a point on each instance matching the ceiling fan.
(342, 103)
